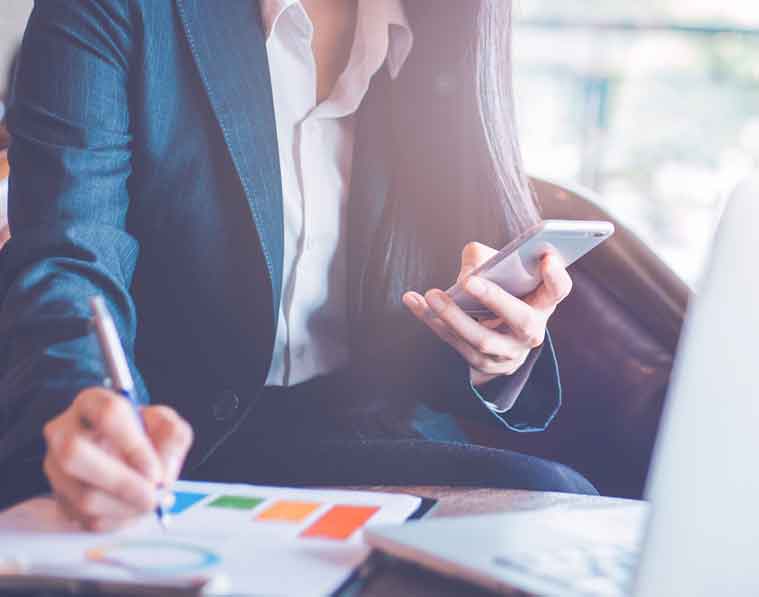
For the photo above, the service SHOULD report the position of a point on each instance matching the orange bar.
(288, 511)
(340, 522)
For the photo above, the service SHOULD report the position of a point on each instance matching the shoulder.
(115, 26)
(111, 15)
(88, 10)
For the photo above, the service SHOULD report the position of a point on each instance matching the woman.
(252, 190)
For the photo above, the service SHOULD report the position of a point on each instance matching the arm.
(529, 399)
(526, 401)
(512, 365)
(410, 376)
(70, 163)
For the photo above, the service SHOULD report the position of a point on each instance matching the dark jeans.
(305, 436)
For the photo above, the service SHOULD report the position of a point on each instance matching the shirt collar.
(271, 11)
(371, 14)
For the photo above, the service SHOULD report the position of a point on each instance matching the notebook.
(222, 539)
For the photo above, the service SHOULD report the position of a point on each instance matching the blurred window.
(653, 104)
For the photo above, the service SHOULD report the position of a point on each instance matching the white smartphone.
(516, 267)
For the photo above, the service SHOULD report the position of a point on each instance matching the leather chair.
(616, 337)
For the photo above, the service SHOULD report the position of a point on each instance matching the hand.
(498, 346)
(104, 468)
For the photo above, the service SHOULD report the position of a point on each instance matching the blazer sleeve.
(530, 399)
(417, 373)
(524, 402)
(68, 201)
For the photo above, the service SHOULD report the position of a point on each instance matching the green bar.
(236, 502)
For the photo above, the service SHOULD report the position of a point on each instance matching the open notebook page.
(249, 539)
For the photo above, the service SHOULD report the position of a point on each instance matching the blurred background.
(653, 104)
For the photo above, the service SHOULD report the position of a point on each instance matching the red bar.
(340, 522)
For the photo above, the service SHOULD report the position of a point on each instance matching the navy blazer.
(145, 168)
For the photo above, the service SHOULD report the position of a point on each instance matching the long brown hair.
(457, 172)
(497, 111)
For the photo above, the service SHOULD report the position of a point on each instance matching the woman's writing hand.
(103, 466)
(498, 346)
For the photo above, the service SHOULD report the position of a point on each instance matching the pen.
(118, 371)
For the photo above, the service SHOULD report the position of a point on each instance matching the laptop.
(698, 535)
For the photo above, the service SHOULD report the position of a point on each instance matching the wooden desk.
(401, 579)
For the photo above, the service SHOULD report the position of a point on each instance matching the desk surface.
(400, 579)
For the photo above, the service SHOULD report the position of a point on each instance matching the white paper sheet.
(263, 549)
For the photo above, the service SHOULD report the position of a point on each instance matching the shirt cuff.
(528, 400)
(500, 394)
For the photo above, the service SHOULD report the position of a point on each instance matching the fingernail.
(476, 286)
(436, 300)
(412, 300)
(175, 464)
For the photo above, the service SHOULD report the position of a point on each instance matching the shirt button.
(225, 405)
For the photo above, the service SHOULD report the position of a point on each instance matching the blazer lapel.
(228, 45)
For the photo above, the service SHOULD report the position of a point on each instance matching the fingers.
(526, 324)
(103, 466)
(112, 417)
(97, 453)
(485, 340)
(171, 437)
(500, 346)
(556, 286)
(472, 256)
(419, 307)
(79, 458)
(93, 509)
(505, 362)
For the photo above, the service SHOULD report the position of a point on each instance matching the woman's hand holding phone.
(498, 346)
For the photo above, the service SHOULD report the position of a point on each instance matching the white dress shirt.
(315, 155)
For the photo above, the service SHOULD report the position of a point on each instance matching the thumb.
(473, 255)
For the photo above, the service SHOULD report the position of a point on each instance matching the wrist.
(479, 379)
